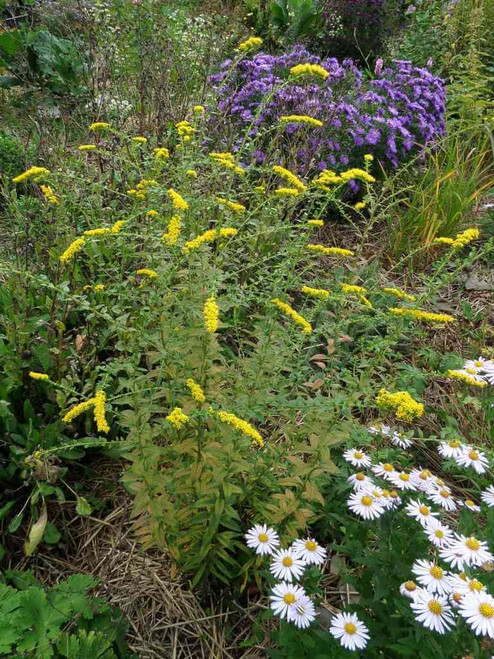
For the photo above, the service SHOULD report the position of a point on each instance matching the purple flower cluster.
(391, 116)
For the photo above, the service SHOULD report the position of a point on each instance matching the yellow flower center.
(366, 501)
(289, 598)
(436, 572)
(424, 475)
(410, 586)
(469, 502)
(486, 610)
(438, 533)
(262, 537)
(310, 545)
(350, 628)
(457, 597)
(470, 370)
(473, 455)
(388, 467)
(424, 510)
(463, 576)
(439, 481)
(473, 543)
(360, 477)
(476, 585)
(435, 607)
(287, 561)
(478, 364)
(358, 455)
(444, 494)
(455, 444)
(393, 494)
(404, 477)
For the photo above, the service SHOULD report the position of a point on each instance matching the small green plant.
(292, 20)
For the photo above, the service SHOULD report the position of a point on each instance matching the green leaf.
(83, 506)
(52, 534)
(15, 523)
(36, 532)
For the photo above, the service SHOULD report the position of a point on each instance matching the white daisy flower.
(383, 469)
(394, 498)
(359, 481)
(478, 611)
(477, 365)
(379, 429)
(286, 565)
(466, 551)
(471, 457)
(409, 589)
(424, 478)
(489, 377)
(357, 458)
(471, 505)
(262, 538)
(302, 613)
(351, 632)
(443, 497)
(403, 481)
(431, 576)
(365, 505)
(432, 611)
(420, 512)
(439, 534)
(285, 596)
(455, 599)
(487, 496)
(310, 551)
(450, 449)
(397, 439)
(464, 585)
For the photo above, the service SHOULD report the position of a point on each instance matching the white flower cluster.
(288, 599)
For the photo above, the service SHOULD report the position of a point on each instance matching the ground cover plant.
(258, 301)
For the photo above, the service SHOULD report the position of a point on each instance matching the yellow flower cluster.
(260, 188)
(465, 377)
(87, 147)
(99, 125)
(161, 153)
(330, 251)
(368, 157)
(140, 140)
(146, 272)
(196, 391)
(77, 410)
(232, 205)
(360, 174)
(315, 223)
(301, 119)
(400, 294)
(327, 178)
(426, 316)
(406, 408)
(185, 130)
(99, 412)
(321, 293)
(352, 289)
(291, 313)
(250, 44)
(177, 418)
(72, 249)
(49, 195)
(38, 376)
(178, 201)
(286, 174)
(35, 173)
(243, 426)
(309, 69)
(192, 173)
(199, 109)
(173, 231)
(360, 205)
(99, 287)
(287, 192)
(226, 160)
(152, 213)
(142, 188)
(208, 237)
(461, 240)
(98, 232)
(117, 227)
(211, 314)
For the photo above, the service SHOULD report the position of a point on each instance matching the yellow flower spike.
(301, 119)
(199, 109)
(250, 44)
(357, 174)
(99, 412)
(327, 178)
(310, 70)
(173, 231)
(290, 177)
(77, 410)
(243, 426)
(86, 147)
(351, 289)
(177, 418)
(365, 301)
(405, 407)
(260, 188)
(140, 140)
(426, 316)
(321, 293)
(117, 227)
(36, 173)
(49, 194)
(192, 173)
(161, 153)
(462, 376)
(443, 241)
(98, 232)
(152, 213)
(99, 125)
(315, 223)
(211, 314)
(72, 250)
(232, 205)
(178, 201)
(146, 272)
(208, 237)
(39, 376)
(287, 192)
(330, 251)
(291, 313)
(196, 391)
(466, 237)
(360, 205)
(400, 294)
